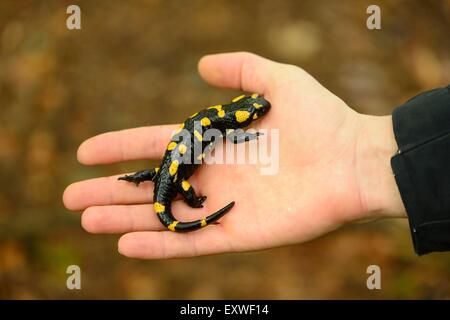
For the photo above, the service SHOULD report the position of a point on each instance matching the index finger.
(124, 145)
(240, 70)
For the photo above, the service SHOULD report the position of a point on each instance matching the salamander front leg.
(141, 176)
(189, 195)
(239, 136)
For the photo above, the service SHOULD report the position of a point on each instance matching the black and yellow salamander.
(171, 177)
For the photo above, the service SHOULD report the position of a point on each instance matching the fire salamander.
(171, 177)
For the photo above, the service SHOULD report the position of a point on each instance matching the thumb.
(240, 70)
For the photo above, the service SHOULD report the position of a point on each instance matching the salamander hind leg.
(189, 195)
(141, 176)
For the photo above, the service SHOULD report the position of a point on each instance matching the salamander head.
(245, 109)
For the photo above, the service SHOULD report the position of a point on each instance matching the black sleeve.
(422, 167)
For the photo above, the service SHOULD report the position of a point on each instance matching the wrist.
(376, 145)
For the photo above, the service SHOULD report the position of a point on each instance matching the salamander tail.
(175, 225)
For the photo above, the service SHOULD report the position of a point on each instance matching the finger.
(120, 219)
(129, 218)
(106, 191)
(168, 244)
(240, 70)
(124, 145)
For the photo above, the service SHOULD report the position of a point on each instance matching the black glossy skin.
(169, 182)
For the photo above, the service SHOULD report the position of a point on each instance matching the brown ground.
(134, 63)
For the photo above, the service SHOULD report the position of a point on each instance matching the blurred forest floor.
(58, 87)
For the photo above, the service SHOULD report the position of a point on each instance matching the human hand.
(333, 169)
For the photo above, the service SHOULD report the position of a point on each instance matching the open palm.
(316, 189)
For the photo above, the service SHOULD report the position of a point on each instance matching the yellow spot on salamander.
(255, 95)
(159, 208)
(255, 116)
(238, 98)
(171, 146)
(182, 148)
(173, 167)
(203, 223)
(172, 226)
(194, 115)
(201, 156)
(205, 121)
(241, 116)
(198, 135)
(217, 107)
(257, 105)
(221, 113)
(185, 185)
(182, 126)
(156, 169)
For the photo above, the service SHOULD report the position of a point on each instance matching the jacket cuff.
(422, 167)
